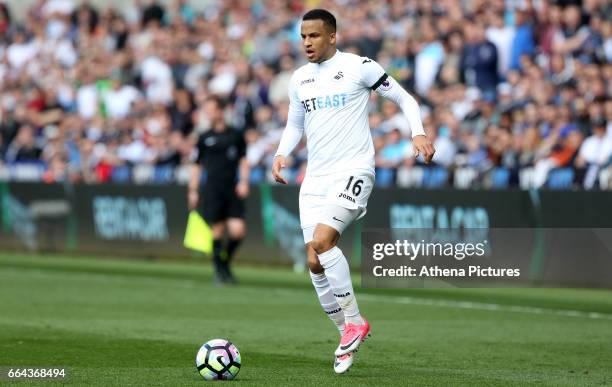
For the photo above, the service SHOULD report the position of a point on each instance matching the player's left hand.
(422, 146)
(242, 189)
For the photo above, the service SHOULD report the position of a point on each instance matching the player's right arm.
(193, 194)
(291, 135)
(193, 188)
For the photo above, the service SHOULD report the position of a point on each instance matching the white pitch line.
(404, 300)
(485, 306)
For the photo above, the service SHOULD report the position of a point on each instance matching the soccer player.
(328, 101)
(222, 153)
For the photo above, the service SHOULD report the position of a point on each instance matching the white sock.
(328, 301)
(339, 277)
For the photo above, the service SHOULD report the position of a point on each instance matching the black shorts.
(218, 202)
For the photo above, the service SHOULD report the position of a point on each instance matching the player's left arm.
(375, 77)
(244, 170)
(242, 188)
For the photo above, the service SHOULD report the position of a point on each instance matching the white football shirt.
(332, 98)
(329, 101)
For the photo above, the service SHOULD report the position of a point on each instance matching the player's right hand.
(277, 165)
(193, 197)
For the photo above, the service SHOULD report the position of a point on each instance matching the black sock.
(232, 245)
(217, 250)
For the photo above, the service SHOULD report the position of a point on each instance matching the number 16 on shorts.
(356, 185)
(354, 191)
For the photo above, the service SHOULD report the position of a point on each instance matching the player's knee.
(238, 233)
(237, 229)
(321, 245)
(314, 265)
(218, 229)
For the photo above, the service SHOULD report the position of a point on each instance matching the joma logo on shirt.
(342, 295)
(326, 102)
(345, 196)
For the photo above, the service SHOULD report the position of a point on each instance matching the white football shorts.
(335, 200)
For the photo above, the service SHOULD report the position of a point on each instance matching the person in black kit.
(221, 151)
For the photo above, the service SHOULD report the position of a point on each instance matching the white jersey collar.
(330, 60)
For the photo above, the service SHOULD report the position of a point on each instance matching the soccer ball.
(218, 359)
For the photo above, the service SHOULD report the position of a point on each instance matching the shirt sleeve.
(375, 77)
(372, 74)
(295, 124)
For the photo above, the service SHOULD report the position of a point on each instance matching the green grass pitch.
(126, 322)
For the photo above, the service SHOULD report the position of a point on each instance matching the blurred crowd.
(87, 89)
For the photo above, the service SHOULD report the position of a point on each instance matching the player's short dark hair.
(321, 14)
